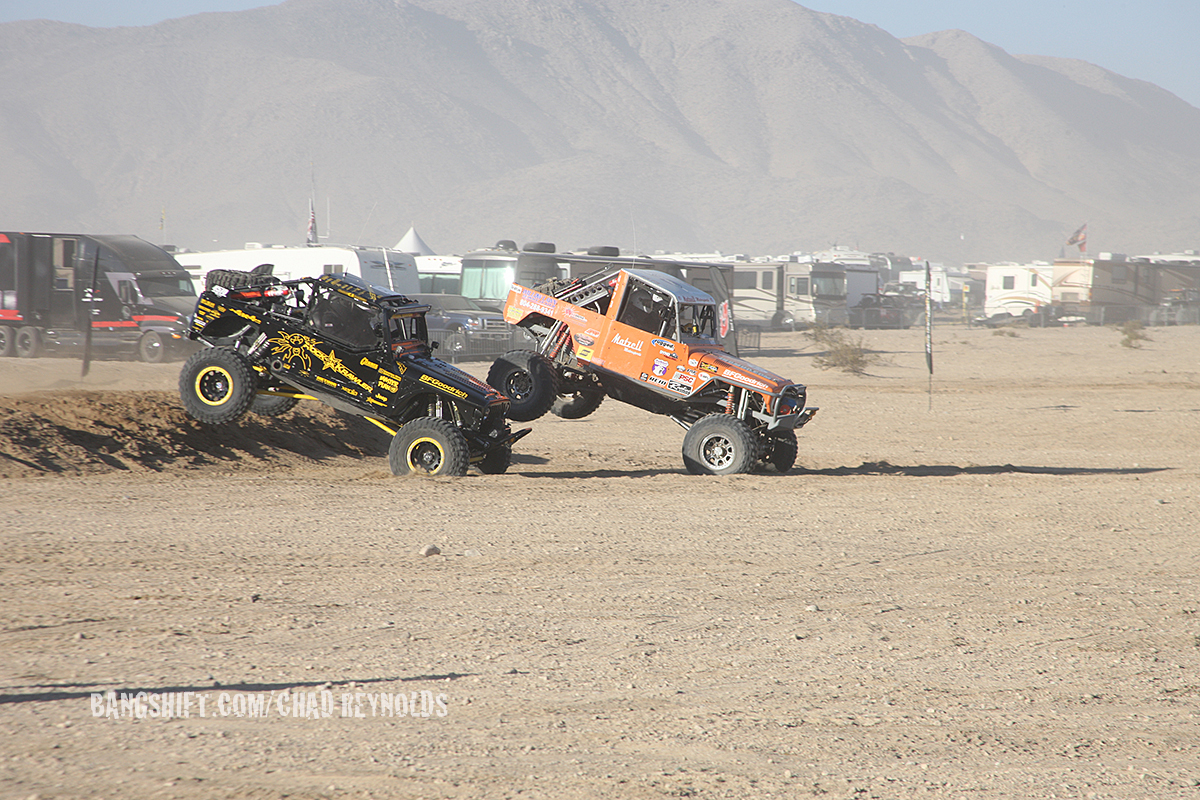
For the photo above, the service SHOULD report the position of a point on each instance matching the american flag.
(1079, 237)
(312, 223)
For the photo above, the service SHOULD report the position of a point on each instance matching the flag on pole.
(312, 223)
(929, 317)
(1079, 237)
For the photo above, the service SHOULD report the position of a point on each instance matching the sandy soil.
(985, 591)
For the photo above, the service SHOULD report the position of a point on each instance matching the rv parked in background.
(134, 296)
(1116, 288)
(440, 274)
(379, 266)
(1017, 289)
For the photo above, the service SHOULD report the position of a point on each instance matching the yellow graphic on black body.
(291, 346)
(297, 345)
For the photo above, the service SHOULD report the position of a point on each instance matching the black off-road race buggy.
(649, 339)
(351, 345)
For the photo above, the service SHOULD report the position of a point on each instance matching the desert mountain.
(753, 126)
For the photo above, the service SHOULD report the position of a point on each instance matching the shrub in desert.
(841, 351)
(1133, 334)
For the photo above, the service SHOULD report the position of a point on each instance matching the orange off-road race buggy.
(649, 339)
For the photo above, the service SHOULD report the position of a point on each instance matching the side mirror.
(126, 293)
(434, 346)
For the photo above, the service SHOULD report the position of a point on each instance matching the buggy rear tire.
(271, 405)
(781, 452)
(719, 444)
(217, 385)
(428, 446)
(528, 380)
(577, 405)
(8, 344)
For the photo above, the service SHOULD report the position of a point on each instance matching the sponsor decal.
(366, 362)
(684, 378)
(723, 317)
(653, 379)
(584, 341)
(592, 332)
(676, 386)
(629, 345)
(245, 315)
(536, 301)
(708, 367)
(388, 385)
(585, 353)
(445, 387)
(298, 347)
(663, 343)
(660, 367)
(737, 376)
(693, 362)
(572, 314)
(746, 366)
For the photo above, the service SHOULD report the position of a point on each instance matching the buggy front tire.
(719, 444)
(217, 385)
(428, 446)
(781, 450)
(528, 380)
(496, 462)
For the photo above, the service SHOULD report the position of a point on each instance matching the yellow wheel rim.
(214, 386)
(425, 455)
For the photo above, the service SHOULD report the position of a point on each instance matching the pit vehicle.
(337, 339)
(649, 339)
(132, 295)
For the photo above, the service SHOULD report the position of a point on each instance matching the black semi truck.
(137, 298)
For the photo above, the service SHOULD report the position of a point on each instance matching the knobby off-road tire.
(428, 446)
(528, 379)
(217, 385)
(577, 405)
(496, 462)
(270, 405)
(781, 451)
(719, 444)
(8, 341)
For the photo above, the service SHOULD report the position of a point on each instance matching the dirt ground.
(985, 586)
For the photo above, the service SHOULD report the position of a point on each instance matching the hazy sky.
(1153, 40)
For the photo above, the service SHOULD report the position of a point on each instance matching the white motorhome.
(440, 274)
(380, 266)
(1017, 288)
(814, 291)
(942, 289)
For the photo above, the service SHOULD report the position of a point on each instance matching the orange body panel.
(674, 369)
